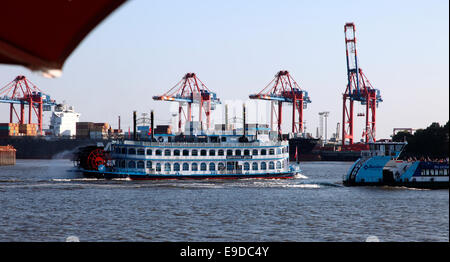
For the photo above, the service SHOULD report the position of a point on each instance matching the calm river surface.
(41, 201)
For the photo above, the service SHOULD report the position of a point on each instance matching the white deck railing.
(205, 145)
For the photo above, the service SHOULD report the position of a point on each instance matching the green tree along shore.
(431, 142)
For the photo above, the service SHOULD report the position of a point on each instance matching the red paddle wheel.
(96, 158)
(92, 157)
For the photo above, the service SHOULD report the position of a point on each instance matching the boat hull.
(138, 176)
(383, 171)
(421, 184)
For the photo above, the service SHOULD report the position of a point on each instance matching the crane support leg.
(40, 118)
(294, 105)
(300, 114)
(272, 108)
(347, 121)
(22, 114)
(30, 108)
(11, 108)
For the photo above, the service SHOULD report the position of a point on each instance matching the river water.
(41, 201)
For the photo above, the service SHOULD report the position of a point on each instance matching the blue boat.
(380, 166)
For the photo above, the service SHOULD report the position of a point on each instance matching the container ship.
(303, 148)
(348, 153)
(63, 137)
(310, 149)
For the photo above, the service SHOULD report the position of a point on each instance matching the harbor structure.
(188, 91)
(21, 91)
(7, 155)
(284, 89)
(358, 89)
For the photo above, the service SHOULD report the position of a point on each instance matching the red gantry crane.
(358, 89)
(284, 89)
(188, 91)
(23, 92)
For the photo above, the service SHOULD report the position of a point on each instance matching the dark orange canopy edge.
(41, 35)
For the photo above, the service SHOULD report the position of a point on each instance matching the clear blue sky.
(236, 47)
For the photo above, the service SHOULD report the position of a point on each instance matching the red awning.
(40, 35)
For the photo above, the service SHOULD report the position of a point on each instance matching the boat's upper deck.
(391, 149)
(253, 144)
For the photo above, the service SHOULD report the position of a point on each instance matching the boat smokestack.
(244, 120)
(243, 138)
(152, 118)
(134, 125)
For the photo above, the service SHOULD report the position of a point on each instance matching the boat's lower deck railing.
(220, 172)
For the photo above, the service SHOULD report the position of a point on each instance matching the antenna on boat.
(257, 121)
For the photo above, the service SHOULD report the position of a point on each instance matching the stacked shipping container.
(83, 129)
(9, 129)
(28, 129)
(92, 130)
(15, 129)
(163, 129)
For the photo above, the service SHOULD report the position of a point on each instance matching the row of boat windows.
(271, 165)
(434, 172)
(203, 152)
